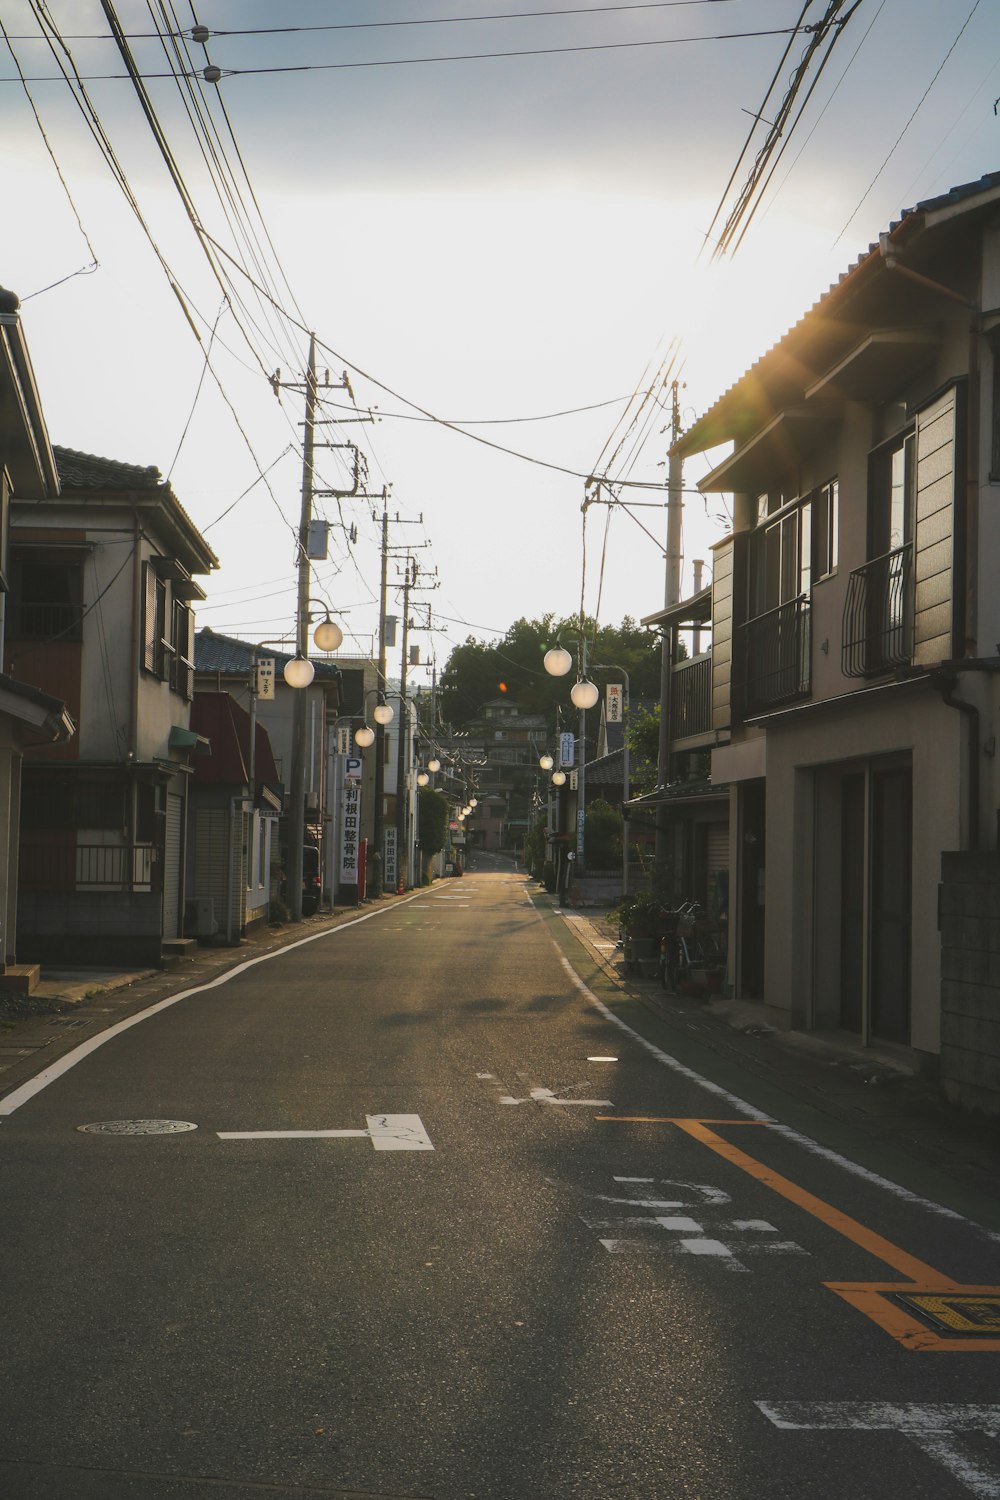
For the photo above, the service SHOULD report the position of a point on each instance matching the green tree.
(602, 835)
(478, 671)
(643, 735)
(432, 813)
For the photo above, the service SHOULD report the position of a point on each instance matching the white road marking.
(805, 1142)
(398, 1133)
(386, 1133)
(285, 1135)
(34, 1086)
(930, 1428)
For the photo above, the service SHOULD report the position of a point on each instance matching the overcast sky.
(492, 239)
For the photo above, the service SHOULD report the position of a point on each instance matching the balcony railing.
(45, 622)
(90, 867)
(691, 697)
(878, 615)
(777, 660)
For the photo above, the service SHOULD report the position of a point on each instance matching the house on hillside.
(855, 668)
(102, 581)
(30, 718)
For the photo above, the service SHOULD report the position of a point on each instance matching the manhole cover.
(137, 1127)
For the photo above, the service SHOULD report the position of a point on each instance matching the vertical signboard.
(613, 703)
(350, 833)
(265, 678)
(389, 877)
(566, 750)
(345, 737)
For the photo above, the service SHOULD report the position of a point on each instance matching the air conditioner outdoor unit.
(199, 916)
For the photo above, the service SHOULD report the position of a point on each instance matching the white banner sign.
(566, 750)
(350, 833)
(613, 703)
(389, 876)
(344, 739)
(265, 678)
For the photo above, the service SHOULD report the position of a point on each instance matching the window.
(72, 803)
(825, 530)
(182, 639)
(891, 493)
(794, 550)
(47, 600)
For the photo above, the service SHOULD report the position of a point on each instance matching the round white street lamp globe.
(299, 672)
(365, 736)
(546, 762)
(433, 764)
(584, 694)
(473, 801)
(557, 661)
(558, 778)
(328, 635)
(422, 778)
(382, 713)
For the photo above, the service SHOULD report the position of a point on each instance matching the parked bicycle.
(692, 942)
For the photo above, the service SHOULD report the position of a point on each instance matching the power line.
(909, 122)
(400, 62)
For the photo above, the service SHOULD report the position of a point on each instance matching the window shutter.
(150, 636)
(934, 531)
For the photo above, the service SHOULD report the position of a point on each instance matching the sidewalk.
(876, 1091)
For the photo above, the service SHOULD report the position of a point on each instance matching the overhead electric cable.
(909, 122)
(86, 270)
(401, 62)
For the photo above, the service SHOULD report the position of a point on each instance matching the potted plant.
(641, 917)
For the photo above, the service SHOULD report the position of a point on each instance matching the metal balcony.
(691, 697)
(777, 656)
(878, 615)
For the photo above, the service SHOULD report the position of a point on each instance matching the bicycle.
(693, 943)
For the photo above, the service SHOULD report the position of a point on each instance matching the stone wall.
(970, 980)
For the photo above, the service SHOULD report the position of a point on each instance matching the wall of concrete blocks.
(970, 980)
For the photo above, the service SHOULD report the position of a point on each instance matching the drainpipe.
(948, 684)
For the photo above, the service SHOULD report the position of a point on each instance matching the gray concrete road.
(456, 1220)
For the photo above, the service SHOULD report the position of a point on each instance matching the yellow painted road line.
(873, 1298)
(875, 1244)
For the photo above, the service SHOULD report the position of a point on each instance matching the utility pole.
(402, 861)
(297, 793)
(672, 594)
(378, 825)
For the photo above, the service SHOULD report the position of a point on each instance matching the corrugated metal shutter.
(172, 866)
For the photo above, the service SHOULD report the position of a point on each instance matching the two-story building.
(99, 615)
(856, 622)
(29, 717)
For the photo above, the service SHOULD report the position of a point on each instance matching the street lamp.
(433, 765)
(558, 778)
(364, 737)
(298, 671)
(557, 661)
(422, 778)
(328, 635)
(546, 762)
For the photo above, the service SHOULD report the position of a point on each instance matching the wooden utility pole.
(379, 820)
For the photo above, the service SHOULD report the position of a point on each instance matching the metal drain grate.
(137, 1127)
(956, 1312)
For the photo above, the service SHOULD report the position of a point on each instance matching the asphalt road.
(455, 1221)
